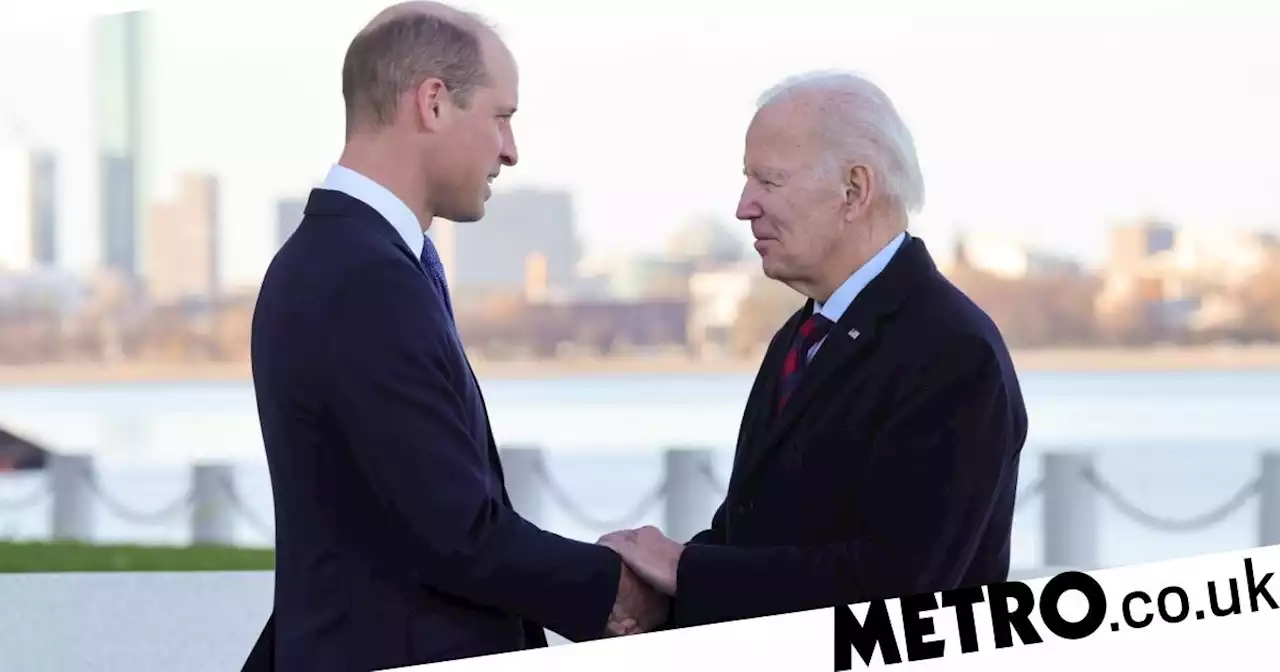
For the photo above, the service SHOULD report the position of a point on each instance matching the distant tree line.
(1055, 311)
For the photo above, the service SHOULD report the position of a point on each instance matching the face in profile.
(478, 140)
(793, 197)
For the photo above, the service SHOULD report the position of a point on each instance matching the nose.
(748, 207)
(509, 155)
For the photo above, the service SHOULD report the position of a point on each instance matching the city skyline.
(1029, 166)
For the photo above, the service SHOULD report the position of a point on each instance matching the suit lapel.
(839, 351)
(850, 340)
(759, 410)
(329, 202)
(771, 370)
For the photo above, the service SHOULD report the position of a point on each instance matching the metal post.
(1269, 499)
(523, 467)
(1070, 512)
(71, 480)
(690, 498)
(212, 507)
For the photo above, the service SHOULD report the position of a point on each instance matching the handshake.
(648, 579)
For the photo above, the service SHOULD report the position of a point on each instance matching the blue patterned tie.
(431, 262)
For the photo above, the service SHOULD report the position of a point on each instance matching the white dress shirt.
(378, 197)
(844, 295)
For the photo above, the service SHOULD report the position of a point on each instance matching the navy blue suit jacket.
(892, 470)
(396, 543)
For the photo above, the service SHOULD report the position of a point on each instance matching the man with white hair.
(878, 453)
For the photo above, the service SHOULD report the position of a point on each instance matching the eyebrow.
(769, 174)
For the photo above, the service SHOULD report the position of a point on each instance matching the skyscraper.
(289, 212)
(521, 227)
(44, 208)
(183, 263)
(15, 207)
(121, 105)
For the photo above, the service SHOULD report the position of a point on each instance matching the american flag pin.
(854, 333)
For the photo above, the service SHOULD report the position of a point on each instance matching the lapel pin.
(854, 333)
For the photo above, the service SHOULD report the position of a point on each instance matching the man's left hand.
(649, 553)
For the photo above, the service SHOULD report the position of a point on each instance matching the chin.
(466, 214)
(775, 270)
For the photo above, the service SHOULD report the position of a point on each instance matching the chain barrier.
(119, 509)
(29, 500)
(241, 507)
(561, 498)
(1207, 519)
(631, 519)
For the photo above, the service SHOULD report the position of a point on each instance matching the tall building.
(121, 108)
(15, 213)
(1132, 244)
(43, 200)
(443, 234)
(523, 232)
(289, 213)
(183, 263)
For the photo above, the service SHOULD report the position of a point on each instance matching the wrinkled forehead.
(783, 133)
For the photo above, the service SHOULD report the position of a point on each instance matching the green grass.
(23, 557)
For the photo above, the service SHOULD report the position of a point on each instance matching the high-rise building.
(493, 254)
(183, 263)
(122, 105)
(1135, 242)
(443, 234)
(289, 212)
(44, 208)
(15, 212)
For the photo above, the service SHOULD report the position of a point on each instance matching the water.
(1175, 443)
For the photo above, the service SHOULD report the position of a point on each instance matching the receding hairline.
(469, 21)
(368, 82)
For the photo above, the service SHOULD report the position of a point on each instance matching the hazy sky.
(1048, 128)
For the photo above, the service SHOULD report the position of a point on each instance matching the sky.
(1048, 128)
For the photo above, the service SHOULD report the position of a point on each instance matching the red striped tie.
(811, 331)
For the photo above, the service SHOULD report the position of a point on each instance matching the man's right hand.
(638, 608)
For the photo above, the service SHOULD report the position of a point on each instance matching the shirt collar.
(378, 197)
(843, 297)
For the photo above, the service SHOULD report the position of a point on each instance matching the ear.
(857, 190)
(433, 104)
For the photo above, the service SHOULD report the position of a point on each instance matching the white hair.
(861, 125)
